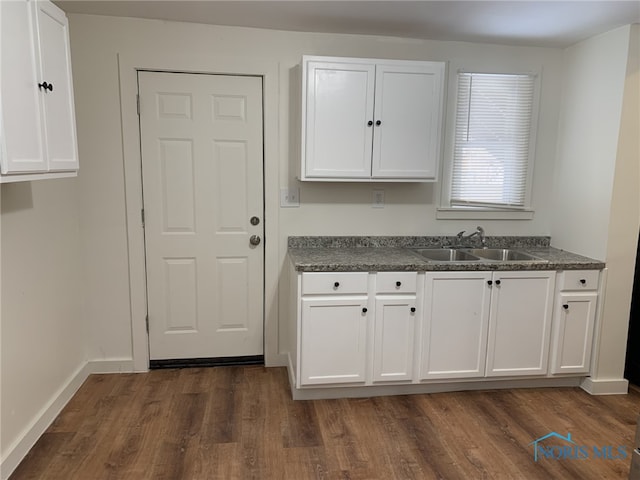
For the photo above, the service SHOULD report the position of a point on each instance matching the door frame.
(128, 67)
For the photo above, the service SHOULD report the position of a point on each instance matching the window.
(492, 154)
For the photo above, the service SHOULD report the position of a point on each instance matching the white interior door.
(202, 168)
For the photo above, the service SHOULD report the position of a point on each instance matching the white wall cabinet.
(371, 120)
(456, 319)
(573, 321)
(37, 127)
(520, 323)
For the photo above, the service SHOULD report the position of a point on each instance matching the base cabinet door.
(333, 340)
(454, 333)
(574, 318)
(394, 328)
(520, 323)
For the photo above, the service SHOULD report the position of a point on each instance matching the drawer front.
(578, 280)
(334, 283)
(637, 441)
(396, 282)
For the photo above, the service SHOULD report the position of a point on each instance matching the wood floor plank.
(231, 423)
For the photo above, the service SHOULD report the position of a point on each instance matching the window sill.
(471, 214)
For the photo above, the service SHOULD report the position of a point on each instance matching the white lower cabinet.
(456, 318)
(333, 324)
(480, 324)
(520, 323)
(574, 318)
(333, 340)
(394, 328)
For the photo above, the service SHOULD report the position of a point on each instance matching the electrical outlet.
(289, 197)
(378, 199)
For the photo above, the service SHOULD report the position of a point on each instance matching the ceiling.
(549, 23)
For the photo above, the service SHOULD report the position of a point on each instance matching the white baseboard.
(605, 387)
(19, 449)
(115, 365)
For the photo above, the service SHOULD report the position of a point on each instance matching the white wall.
(596, 192)
(624, 223)
(43, 336)
(326, 209)
(592, 94)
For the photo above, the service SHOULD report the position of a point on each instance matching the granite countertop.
(379, 254)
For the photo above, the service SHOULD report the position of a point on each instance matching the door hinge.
(142, 217)
(146, 321)
(138, 104)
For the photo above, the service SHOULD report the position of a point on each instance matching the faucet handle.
(460, 234)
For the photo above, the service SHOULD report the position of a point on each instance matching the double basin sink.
(475, 255)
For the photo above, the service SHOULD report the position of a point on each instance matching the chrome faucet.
(479, 232)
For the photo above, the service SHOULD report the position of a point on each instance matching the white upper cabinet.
(37, 129)
(371, 120)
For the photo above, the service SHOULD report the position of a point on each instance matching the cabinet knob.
(398, 284)
(336, 285)
(497, 282)
(364, 309)
(583, 281)
(565, 306)
(489, 282)
(378, 123)
(46, 86)
(413, 309)
(370, 122)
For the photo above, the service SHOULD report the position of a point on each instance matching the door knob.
(254, 240)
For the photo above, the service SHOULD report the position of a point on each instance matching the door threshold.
(206, 362)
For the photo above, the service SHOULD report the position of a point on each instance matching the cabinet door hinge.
(138, 104)
(142, 217)
(146, 321)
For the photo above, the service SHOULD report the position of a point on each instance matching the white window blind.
(492, 135)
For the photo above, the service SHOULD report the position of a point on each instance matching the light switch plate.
(377, 199)
(289, 197)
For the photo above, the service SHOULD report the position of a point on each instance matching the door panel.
(339, 106)
(202, 168)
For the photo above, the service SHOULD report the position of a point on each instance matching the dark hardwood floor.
(240, 423)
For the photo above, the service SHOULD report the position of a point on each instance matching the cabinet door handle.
(583, 281)
(398, 284)
(497, 282)
(46, 86)
(413, 309)
(336, 284)
(364, 309)
(378, 123)
(370, 122)
(489, 282)
(565, 306)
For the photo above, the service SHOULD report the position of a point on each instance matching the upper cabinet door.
(60, 132)
(337, 136)
(408, 117)
(20, 126)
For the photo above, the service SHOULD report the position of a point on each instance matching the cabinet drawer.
(578, 280)
(334, 283)
(396, 282)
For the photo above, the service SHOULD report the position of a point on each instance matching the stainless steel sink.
(446, 255)
(502, 254)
